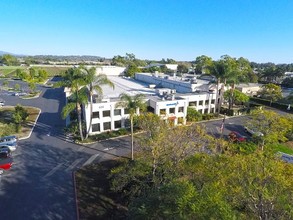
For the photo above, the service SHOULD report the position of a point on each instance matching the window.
(117, 111)
(206, 110)
(192, 103)
(213, 101)
(206, 102)
(162, 111)
(96, 127)
(107, 125)
(127, 123)
(96, 114)
(200, 102)
(126, 111)
(172, 110)
(181, 109)
(106, 113)
(117, 124)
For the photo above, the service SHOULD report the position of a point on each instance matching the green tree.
(132, 104)
(271, 91)
(94, 83)
(74, 80)
(19, 116)
(42, 75)
(21, 74)
(131, 70)
(274, 126)
(32, 85)
(230, 71)
(32, 73)
(9, 60)
(193, 115)
(237, 97)
(182, 68)
(203, 64)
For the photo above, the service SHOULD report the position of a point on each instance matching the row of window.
(206, 102)
(107, 125)
(171, 110)
(107, 113)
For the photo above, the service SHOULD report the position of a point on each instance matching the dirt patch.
(290, 144)
(95, 200)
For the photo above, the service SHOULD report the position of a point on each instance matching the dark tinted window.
(106, 113)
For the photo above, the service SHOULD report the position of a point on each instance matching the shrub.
(193, 115)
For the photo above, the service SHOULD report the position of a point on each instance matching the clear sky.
(259, 30)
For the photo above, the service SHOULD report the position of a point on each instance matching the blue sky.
(259, 30)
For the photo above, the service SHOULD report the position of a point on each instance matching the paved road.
(39, 186)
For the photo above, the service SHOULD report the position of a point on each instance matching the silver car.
(253, 132)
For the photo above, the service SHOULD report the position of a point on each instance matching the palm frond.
(69, 107)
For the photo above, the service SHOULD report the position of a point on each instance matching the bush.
(20, 115)
(208, 116)
(6, 129)
(122, 131)
(193, 115)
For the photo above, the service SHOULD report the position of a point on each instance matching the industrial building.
(166, 96)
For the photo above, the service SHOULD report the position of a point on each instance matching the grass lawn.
(9, 70)
(95, 201)
(284, 147)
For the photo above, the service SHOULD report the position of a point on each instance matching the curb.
(75, 195)
(23, 138)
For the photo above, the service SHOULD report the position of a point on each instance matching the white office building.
(164, 96)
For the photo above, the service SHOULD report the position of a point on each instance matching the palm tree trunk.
(79, 120)
(91, 115)
(131, 127)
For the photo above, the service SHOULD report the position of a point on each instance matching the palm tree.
(74, 81)
(94, 83)
(230, 71)
(132, 104)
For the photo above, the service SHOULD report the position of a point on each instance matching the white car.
(253, 132)
(10, 147)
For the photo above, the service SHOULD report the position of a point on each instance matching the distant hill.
(4, 52)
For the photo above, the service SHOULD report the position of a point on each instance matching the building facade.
(165, 102)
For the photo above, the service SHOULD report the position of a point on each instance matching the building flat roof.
(126, 85)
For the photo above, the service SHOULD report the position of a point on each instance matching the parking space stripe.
(74, 164)
(53, 170)
(90, 160)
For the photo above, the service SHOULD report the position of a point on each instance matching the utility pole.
(223, 126)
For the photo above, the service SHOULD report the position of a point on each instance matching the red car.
(236, 137)
(5, 161)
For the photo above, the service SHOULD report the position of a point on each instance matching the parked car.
(5, 150)
(5, 160)
(20, 94)
(11, 147)
(234, 136)
(8, 140)
(252, 132)
(1, 103)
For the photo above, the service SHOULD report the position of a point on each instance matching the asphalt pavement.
(40, 184)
